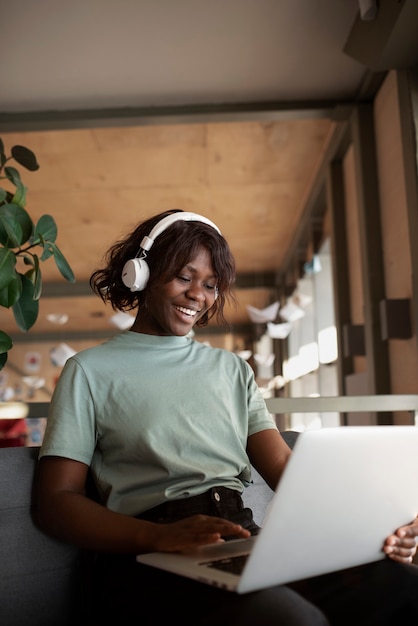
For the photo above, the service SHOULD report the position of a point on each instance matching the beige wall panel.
(327, 225)
(115, 157)
(396, 252)
(265, 152)
(353, 250)
(167, 136)
(394, 219)
(52, 142)
(131, 167)
(96, 218)
(403, 366)
(251, 216)
(353, 240)
(88, 312)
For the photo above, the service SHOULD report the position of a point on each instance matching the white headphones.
(135, 273)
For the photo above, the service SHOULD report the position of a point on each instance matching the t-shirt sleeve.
(70, 430)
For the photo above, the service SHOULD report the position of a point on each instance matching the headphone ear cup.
(135, 274)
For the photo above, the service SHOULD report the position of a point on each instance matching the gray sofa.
(41, 578)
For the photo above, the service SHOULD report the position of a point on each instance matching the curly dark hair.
(176, 246)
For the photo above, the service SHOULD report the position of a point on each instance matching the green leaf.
(3, 157)
(25, 157)
(7, 267)
(12, 174)
(3, 359)
(3, 195)
(10, 294)
(48, 249)
(31, 275)
(36, 277)
(38, 285)
(46, 228)
(16, 226)
(20, 194)
(26, 308)
(5, 342)
(62, 264)
(5, 345)
(28, 259)
(10, 230)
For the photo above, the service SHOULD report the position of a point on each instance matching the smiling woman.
(170, 430)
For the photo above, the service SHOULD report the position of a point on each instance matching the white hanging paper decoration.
(279, 331)
(57, 318)
(122, 320)
(264, 360)
(34, 382)
(261, 316)
(245, 354)
(291, 312)
(301, 299)
(61, 354)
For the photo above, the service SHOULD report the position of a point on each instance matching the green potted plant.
(24, 245)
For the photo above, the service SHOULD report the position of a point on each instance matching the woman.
(162, 420)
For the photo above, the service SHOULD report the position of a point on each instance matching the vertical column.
(363, 137)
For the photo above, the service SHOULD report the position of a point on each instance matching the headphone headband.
(147, 241)
(135, 272)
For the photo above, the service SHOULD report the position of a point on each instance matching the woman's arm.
(65, 512)
(268, 453)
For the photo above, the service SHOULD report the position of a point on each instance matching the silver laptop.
(344, 490)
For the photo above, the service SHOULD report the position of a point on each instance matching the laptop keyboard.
(233, 565)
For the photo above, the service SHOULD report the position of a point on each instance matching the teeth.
(186, 311)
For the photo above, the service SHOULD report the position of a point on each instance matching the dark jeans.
(378, 594)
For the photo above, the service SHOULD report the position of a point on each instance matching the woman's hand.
(402, 545)
(194, 531)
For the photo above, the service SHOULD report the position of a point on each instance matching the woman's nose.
(195, 291)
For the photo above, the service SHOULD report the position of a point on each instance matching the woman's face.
(173, 308)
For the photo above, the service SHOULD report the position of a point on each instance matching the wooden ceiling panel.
(251, 178)
(264, 152)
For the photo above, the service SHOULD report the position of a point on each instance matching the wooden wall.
(378, 250)
(403, 356)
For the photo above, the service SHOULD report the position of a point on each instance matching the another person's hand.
(194, 531)
(402, 545)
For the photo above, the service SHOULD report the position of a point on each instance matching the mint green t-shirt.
(157, 418)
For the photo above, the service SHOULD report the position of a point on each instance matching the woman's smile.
(189, 312)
